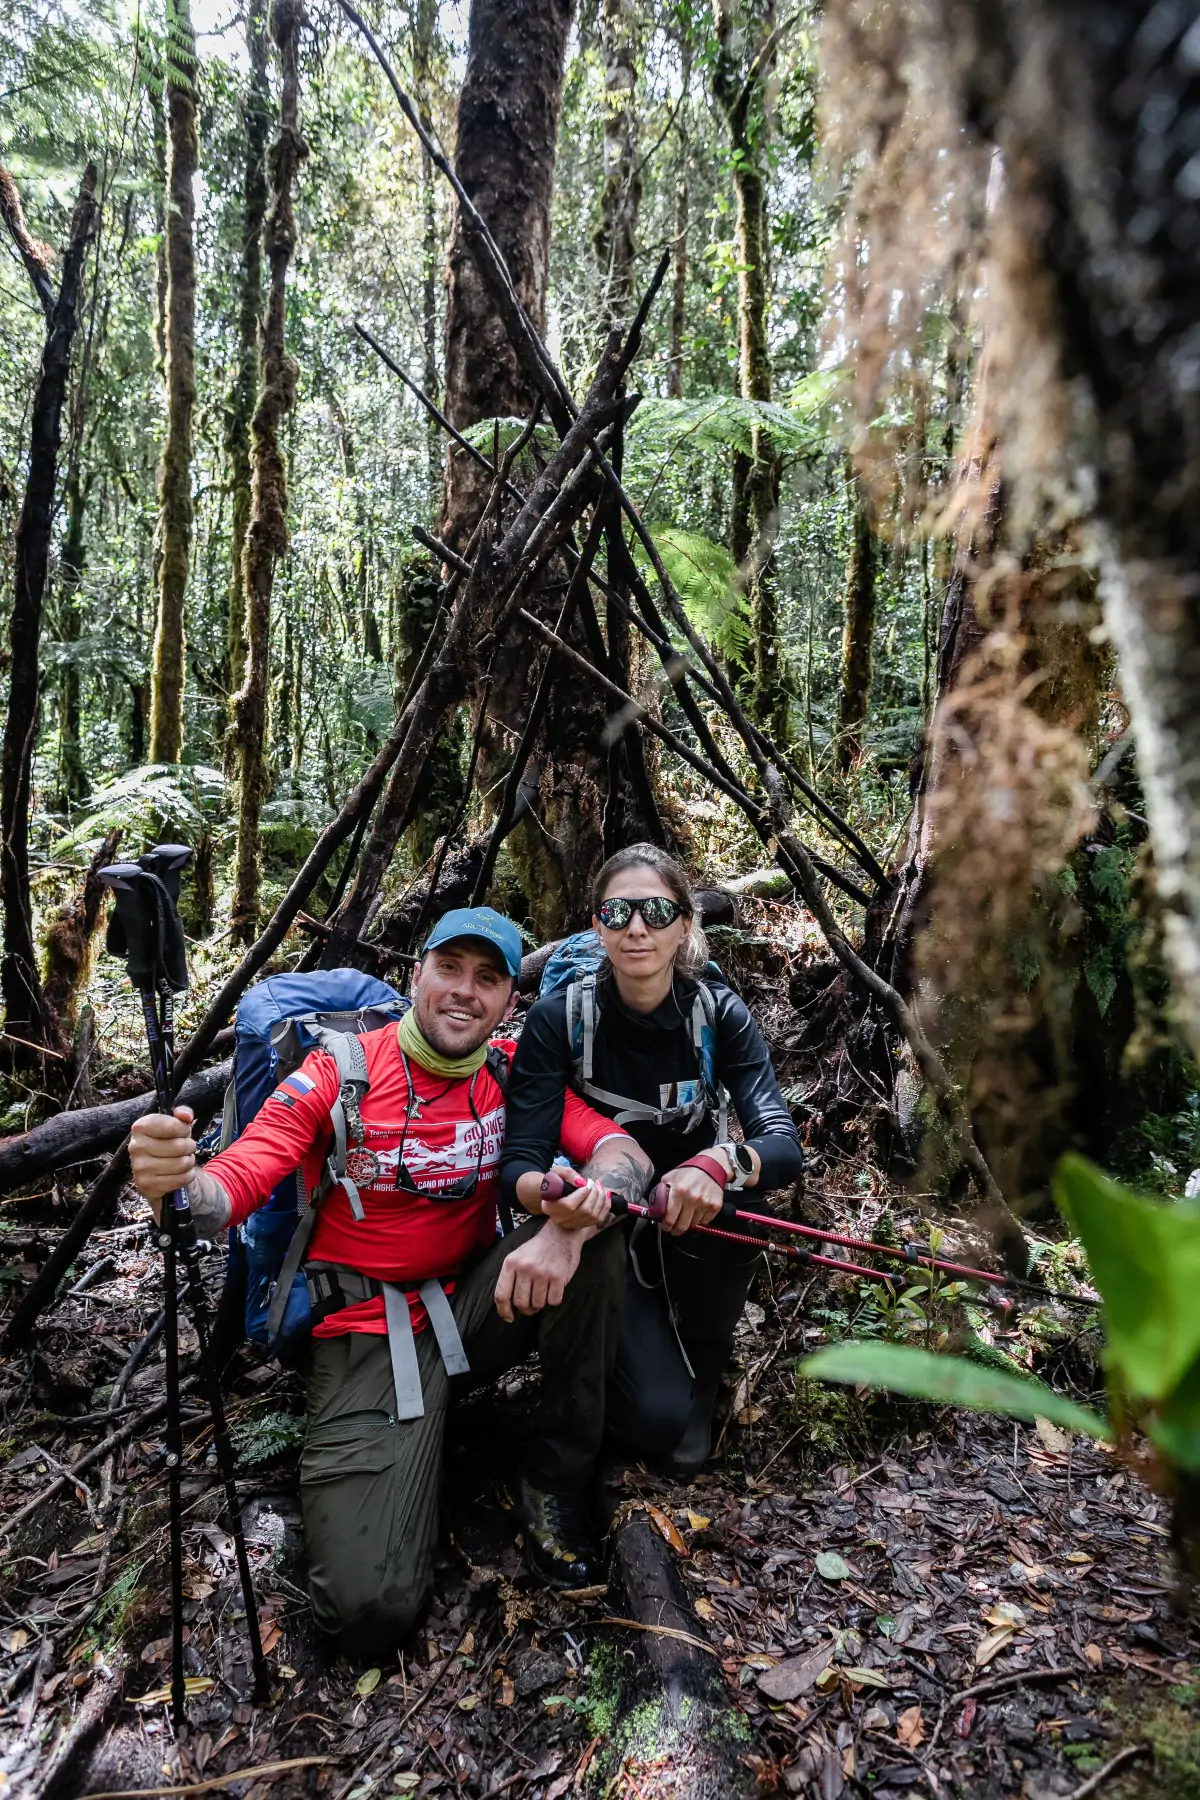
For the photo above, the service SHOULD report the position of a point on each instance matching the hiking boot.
(560, 1545)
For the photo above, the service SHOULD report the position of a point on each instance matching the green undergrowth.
(1170, 1723)
(636, 1728)
(267, 1435)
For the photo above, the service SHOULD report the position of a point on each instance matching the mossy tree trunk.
(858, 632)
(28, 1016)
(679, 269)
(424, 49)
(267, 535)
(746, 49)
(256, 117)
(72, 777)
(507, 140)
(175, 474)
(505, 153)
(621, 193)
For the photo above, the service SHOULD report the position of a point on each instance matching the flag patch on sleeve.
(294, 1087)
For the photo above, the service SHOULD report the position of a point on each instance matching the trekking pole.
(555, 1185)
(145, 928)
(656, 1209)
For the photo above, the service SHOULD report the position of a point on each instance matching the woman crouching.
(655, 1038)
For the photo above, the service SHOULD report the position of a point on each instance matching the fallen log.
(62, 1775)
(676, 1711)
(74, 1137)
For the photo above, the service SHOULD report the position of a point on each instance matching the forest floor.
(899, 1597)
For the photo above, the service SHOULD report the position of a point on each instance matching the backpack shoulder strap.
(345, 1115)
(704, 1018)
(590, 1014)
(498, 1067)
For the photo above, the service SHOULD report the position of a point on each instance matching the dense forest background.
(824, 481)
(441, 446)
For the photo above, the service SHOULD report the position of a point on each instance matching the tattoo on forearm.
(627, 1175)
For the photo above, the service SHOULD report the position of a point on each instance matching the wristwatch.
(740, 1158)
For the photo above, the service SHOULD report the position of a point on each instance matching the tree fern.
(504, 432)
(188, 794)
(797, 427)
(705, 577)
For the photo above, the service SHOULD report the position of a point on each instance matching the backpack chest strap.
(630, 1111)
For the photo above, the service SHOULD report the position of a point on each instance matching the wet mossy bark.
(667, 1721)
(507, 139)
(858, 632)
(256, 121)
(72, 777)
(439, 789)
(621, 193)
(741, 71)
(28, 1015)
(267, 536)
(175, 474)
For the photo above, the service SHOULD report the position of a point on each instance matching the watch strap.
(711, 1167)
(741, 1171)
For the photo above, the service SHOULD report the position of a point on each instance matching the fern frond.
(483, 435)
(186, 793)
(705, 577)
(726, 422)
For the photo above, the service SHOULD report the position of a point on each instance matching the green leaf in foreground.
(1145, 1259)
(949, 1380)
(832, 1567)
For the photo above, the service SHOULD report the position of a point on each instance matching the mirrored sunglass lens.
(616, 914)
(658, 912)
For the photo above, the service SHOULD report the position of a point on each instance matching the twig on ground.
(256, 1773)
(1000, 1684)
(139, 1422)
(1120, 1761)
(667, 1631)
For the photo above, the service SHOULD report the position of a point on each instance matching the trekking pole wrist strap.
(711, 1166)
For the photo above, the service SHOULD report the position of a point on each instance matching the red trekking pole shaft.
(913, 1258)
(559, 1181)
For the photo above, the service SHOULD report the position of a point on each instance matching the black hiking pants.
(369, 1483)
(683, 1299)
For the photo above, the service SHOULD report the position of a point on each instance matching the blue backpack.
(575, 965)
(279, 1022)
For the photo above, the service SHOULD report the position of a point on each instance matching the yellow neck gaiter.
(415, 1044)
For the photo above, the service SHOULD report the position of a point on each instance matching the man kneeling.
(418, 1296)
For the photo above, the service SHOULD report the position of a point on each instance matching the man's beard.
(436, 1034)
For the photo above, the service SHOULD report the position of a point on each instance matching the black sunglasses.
(657, 911)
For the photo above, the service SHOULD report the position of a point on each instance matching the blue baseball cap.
(480, 922)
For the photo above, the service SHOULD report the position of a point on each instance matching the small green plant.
(268, 1435)
(1145, 1260)
(116, 1609)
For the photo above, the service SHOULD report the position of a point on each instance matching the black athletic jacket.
(639, 1056)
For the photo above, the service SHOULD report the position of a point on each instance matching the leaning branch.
(771, 824)
(35, 256)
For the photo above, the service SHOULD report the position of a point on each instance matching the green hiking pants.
(369, 1484)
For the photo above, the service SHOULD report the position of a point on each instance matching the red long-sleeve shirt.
(403, 1237)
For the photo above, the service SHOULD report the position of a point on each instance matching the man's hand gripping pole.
(145, 929)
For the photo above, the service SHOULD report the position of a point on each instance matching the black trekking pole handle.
(146, 929)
